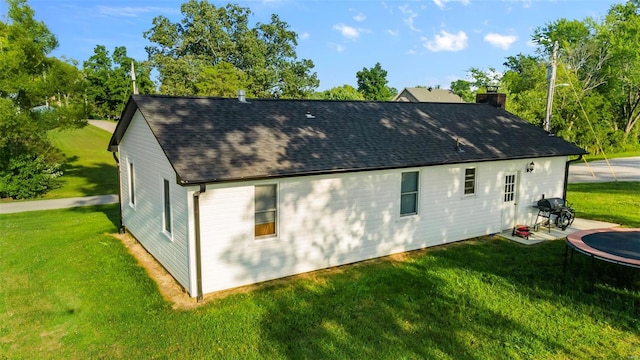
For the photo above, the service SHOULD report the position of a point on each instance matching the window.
(167, 207)
(469, 181)
(509, 188)
(132, 185)
(409, 193)
(266, 201)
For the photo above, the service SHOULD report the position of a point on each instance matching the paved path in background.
(109, 126)
(22, 206)
(625, 169)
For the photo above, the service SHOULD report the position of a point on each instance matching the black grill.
(551, 204)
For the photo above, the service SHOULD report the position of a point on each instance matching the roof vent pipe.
(242, 96)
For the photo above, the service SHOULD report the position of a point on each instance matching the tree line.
(215, 51)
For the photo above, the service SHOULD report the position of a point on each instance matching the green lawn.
(613, 155)
(617, 202)
(70, 290)
(91, 169)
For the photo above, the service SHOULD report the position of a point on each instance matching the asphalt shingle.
(213, 139)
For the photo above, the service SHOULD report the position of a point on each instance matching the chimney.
(492, 97)
(242, 96)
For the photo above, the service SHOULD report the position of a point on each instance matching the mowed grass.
(90, 168)
(617, 202)
(69, 290)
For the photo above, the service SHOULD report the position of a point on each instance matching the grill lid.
(551, 203)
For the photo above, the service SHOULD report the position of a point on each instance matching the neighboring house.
(427, 95)
(228, 192)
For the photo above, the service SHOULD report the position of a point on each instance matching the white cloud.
(442, 3)
(393, 33)
(128, 11)
(337, 47)
(410, 16)
(347, 31)
(305, 35)
(500, 41)
(447, 42)
(359, 17)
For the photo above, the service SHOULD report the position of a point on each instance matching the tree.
(344, 92)
(29, 80)
(222, 79)
(209, 35)
(109, 82)
(462, 88)
(620, 33)
(372, 84)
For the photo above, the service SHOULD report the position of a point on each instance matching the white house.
(229, 192)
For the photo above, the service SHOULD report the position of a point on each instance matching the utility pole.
(133, 79)
(551, 76)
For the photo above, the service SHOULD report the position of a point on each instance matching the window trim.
(509, 189)
(276, 211)
(167, 209)
(415, 192)
(474, 179)
(132, 183)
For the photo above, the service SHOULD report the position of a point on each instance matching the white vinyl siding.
(333, 220)
(409, 193)
(145, 220)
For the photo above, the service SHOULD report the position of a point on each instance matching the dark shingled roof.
(213, 139)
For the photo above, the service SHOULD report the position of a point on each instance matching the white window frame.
(415, 192)
(276, 210)
(131, 175)
(475, 181)
(167, 226)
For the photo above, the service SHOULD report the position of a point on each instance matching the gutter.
(566, 175)
(196, 215)
(120, 225)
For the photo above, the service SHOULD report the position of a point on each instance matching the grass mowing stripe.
(91, 169)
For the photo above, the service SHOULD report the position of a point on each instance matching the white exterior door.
(509, 200)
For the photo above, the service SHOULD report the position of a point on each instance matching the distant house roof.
(428, 95)
(213, 139)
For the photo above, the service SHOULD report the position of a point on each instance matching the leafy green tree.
(462, 88)
(109, 82)
(37, 94)
(222, 79)
(620, 33)
(372, 84)
(209, 35)
(344, 92)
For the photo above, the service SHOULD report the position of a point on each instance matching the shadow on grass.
(540, 272)
(95, 179)
(111, 211)
(415, 308)
(400, 310)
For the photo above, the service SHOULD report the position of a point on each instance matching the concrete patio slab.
(543, 234)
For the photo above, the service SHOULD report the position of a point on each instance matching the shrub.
(27, 176)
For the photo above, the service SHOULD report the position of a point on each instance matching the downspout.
(566, 176)
(120, 225)
(196, 215)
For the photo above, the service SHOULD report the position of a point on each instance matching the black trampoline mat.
(625, 244)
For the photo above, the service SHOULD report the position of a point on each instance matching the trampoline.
(616, 245)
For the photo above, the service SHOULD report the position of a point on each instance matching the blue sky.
(429, 42)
